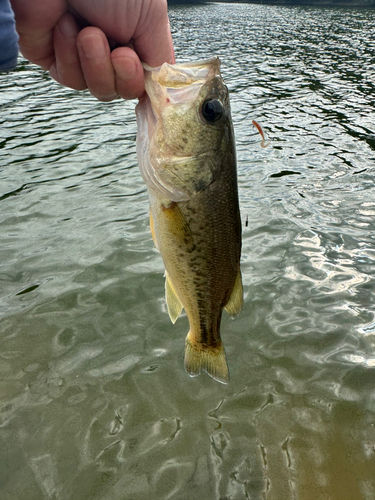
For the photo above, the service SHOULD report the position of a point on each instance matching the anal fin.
(173, 302)
(235, 302)
(212, 360)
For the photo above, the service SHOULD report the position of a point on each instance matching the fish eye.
(212, 110)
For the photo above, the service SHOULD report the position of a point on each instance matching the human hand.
(52, 35)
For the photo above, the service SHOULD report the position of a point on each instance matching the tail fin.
(199, 358)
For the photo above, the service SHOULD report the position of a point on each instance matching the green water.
(94, 401)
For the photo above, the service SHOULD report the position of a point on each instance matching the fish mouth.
(146, 118)
(184, 74)
(189, 64)
(146, 123)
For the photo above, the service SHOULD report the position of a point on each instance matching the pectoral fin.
(173, 302)
(152, 228)
(235, 302)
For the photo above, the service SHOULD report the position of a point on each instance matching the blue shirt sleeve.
(8, 37)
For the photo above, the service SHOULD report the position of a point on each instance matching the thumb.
(152, 39)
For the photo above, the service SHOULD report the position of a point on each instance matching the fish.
(187, 158)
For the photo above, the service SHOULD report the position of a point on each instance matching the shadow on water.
(94, 401)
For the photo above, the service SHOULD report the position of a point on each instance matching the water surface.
(94, 401)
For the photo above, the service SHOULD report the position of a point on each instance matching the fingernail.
(68, 27)
(93, 47)
(125, 67)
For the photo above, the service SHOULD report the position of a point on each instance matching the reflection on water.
(94, 401)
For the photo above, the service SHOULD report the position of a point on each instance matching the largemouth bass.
(187, 158)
